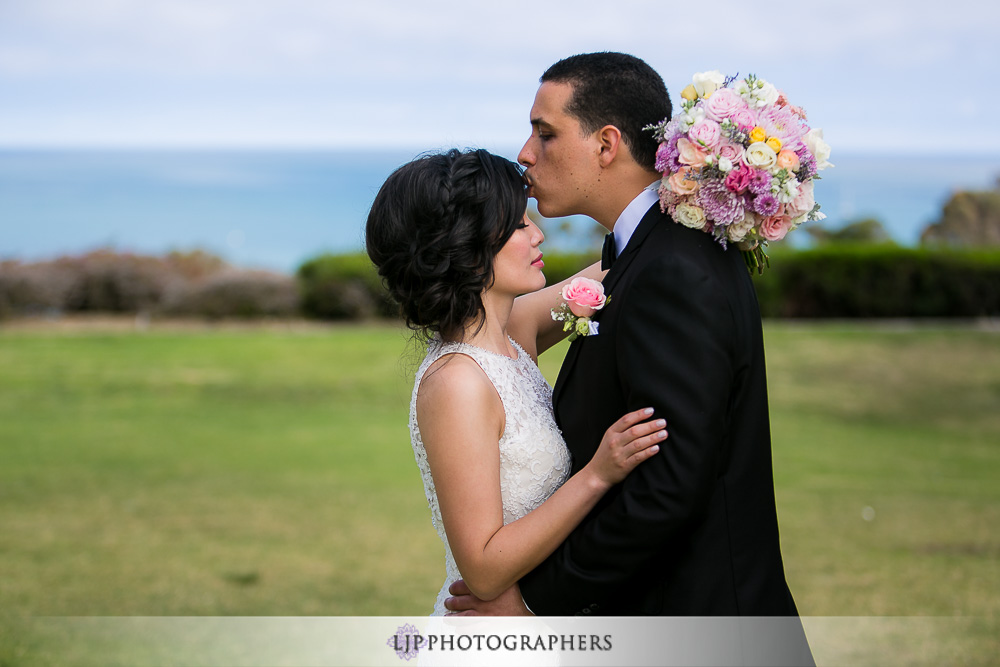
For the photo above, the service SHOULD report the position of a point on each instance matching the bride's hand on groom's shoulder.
(464, 603)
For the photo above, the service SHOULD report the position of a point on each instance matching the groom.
(693, 531)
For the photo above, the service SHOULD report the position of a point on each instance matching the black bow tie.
(609, 253)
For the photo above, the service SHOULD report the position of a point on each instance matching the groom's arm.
(673, 354)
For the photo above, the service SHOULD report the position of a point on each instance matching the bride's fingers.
(631, 419)
(641, 430)
(642, 455)
(644, 448)
(648, 444)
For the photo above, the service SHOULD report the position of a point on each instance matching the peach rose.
(683, 182)
(689, 153)
(584, 296)
(788, 160)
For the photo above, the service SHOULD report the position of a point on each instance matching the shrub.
(343, 287)
(31, 289)
(235, 293)
(562, 266)
(104, 280)
(880, 281)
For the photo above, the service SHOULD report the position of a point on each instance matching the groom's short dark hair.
(615, 89)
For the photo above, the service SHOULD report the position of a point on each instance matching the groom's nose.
(526, 157)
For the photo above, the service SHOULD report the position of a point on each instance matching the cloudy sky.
(893, 75)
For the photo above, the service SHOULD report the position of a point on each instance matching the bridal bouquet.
(739, 162)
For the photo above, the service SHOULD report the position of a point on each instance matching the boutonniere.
(582, 298)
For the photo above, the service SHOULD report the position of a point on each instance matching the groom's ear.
(609, 140)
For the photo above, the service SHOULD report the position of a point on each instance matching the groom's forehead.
(551, 103)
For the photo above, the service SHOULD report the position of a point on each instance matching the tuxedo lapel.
(649, 221)
(652, 218)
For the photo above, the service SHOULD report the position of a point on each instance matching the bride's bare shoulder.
(454, 377)
(456, 389)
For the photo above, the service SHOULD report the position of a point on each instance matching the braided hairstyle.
(434, 230)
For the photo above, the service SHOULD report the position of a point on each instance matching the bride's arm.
(461, 420)
(531, 322)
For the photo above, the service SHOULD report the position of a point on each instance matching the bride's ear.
(609, 140)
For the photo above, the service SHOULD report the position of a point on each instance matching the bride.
(452, 242)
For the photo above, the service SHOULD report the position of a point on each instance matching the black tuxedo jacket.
(693, 530)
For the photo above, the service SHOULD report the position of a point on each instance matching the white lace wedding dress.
(534, 460)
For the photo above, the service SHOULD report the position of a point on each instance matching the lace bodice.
(534, 460)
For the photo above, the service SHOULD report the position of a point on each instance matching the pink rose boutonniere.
(582, 298)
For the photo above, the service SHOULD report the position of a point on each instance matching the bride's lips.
(527, 182)
(538, 261)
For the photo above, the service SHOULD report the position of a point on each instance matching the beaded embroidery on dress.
(534, 461)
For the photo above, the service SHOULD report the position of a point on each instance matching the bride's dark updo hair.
(434, 230)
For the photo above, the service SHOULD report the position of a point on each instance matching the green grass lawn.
(269, 472)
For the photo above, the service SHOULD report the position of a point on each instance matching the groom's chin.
(547, 211)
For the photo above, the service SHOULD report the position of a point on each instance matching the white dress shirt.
(632, 215)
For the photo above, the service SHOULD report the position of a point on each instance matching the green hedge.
(335, 287)
(559, 267)
(880, 281)
(836, 281)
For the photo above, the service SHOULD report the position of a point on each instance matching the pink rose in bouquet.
(584, 296)
(744, 118)
(705, 133)
(731, 152)
(803, 202)
(724, 104)
(774, 227)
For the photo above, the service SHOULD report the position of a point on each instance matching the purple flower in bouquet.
(807, 164)
(668, 157)
(760, 182)
(721, 205)
(766, 204)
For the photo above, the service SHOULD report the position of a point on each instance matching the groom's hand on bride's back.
(464, 603)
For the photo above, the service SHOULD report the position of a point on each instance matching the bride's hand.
(628, 442)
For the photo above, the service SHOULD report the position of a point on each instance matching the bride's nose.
(538, 237)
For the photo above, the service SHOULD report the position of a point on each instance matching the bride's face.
(517, 268)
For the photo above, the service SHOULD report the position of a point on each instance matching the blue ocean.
(274, 209)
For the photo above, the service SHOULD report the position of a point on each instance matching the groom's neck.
(617, 190)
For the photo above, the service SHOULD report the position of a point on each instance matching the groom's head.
(589, 113)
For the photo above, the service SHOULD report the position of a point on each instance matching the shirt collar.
(630, 218)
